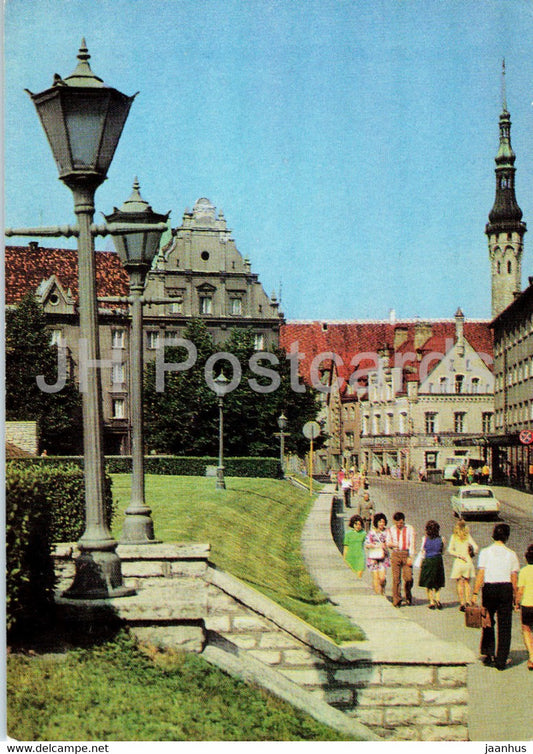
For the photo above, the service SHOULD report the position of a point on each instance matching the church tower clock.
(505, 229)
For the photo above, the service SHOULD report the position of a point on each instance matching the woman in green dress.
(354, 551)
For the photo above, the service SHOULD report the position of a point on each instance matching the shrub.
(173, 465)
(30, 573)
(44, 504)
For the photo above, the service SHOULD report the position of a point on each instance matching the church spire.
(505, 210)
(505, 229)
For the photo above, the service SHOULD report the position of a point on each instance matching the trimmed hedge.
(29, 569)
(44, 504)
(174, 465)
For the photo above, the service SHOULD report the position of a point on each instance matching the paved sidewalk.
(497, 702)
(373, 613)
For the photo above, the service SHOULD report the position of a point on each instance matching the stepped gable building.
(199, 273)
(399, 393)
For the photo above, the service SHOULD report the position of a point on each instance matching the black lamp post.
(282, 424)
(137, 251)
(221, 384)
(83, 120)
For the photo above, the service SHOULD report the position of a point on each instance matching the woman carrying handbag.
(377, 554)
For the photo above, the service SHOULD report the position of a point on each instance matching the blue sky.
(350, 144)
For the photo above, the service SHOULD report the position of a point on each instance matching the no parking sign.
(526, 437)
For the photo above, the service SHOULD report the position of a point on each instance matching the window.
(377, 424)
(459, 380)
(459, 421)
(153, 339)
(403, 423)
(119, 408)
(176, 307)
(171, 337)
(117, 374)
(56, 338)
(259, 341)
(206, 304)
(388, 424)
(475, 385)
(118, 338)
(509, 267)
(486, 422)
(235, 306)
(364, 428)
(430, 422)
(431, 460)
(443, 384)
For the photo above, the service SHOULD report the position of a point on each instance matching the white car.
(475, 499)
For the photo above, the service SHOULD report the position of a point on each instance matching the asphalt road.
(500, 702)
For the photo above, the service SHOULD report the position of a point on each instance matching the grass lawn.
(254, 528)
(113, 692)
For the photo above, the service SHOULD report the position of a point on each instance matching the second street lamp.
(221, 385)
(282, 424)
(136, 251)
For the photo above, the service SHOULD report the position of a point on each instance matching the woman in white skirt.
(463, 548)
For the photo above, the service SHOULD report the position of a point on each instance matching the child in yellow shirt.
(524, 600)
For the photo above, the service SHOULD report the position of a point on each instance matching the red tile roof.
(363, 339)
(26, 267)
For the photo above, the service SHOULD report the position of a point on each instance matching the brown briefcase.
(476, 617)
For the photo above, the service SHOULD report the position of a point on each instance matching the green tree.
(28, 355)
(184, 418)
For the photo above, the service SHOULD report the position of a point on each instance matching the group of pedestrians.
(499, 580)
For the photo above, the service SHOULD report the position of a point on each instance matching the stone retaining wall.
(185, 603)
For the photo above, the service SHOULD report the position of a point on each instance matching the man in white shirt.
(401, 545)
(498, 568)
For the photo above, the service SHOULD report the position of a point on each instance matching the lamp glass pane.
(84, 116)
(134, 243)
(118, 107)
(51, 117)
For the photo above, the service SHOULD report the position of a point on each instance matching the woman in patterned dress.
(377, 554)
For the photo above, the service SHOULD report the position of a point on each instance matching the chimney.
(459, 332)
(34, 245)
(423, 333)
(392, 316)
(400, 336)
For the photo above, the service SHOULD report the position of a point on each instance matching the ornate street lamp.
(221, 385)
(83, 120)
(282, 424)
(136, 251)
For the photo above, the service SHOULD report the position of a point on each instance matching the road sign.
(526, 437)
(311, 430)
